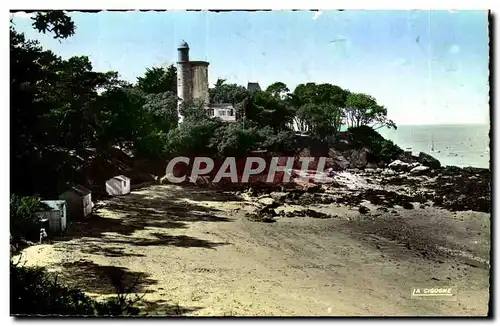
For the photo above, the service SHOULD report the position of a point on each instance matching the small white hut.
(79, 201)
(55, 215)
(119, 185)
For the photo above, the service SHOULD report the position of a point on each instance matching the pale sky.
(426, 67)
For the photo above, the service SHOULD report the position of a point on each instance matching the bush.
(34, 292)
(236, 139)
(24, 218)
(193, 137)
(151, 146)
(381, 148)
(281, 142)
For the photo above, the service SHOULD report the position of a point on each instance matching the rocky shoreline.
(406, 184)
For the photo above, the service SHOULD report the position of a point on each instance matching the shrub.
(34, 292)
(24, 218)
(381, 148)
(236, 139)
(282, 142)
(193, 137)
(151, 146)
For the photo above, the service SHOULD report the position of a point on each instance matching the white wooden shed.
(79, 201)
(55, 213)
(119, 185)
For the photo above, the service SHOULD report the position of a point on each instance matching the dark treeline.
(61, 108)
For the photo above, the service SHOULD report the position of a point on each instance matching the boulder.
(266, 200)
(399, 165)
(407, 205)
(337, 161)
(427, 160)
(359, 158)
(279, 196)
(382, 164)
(363, 209)
(309, 187)
(419, 170)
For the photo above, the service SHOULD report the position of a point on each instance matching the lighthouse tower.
(183, 77)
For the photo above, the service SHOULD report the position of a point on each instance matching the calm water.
(459, 145)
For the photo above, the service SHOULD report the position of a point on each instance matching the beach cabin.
(79, 202)
(54, 215)
(119, 185)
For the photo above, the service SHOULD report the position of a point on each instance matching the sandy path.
(206, 257)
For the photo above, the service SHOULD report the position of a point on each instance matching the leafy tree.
(161, 108)
(282, 141)
(227, 93)
(54, 21)
(362, 109)
(194, 109)
(268, 110)
(159, 80)
(278, 90)
(121, 117)
(318, 107)
(236, 139)
(193, 136)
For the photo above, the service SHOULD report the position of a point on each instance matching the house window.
(210, 112)
(231, 112)
(222, 113)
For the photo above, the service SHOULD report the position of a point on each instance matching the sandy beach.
(195, 251)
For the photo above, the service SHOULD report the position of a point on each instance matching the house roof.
(252, 87)
(121, 178)
(221, 105)
(80, 190)
(54, 204)
(199, 63)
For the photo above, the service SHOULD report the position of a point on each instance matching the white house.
(224, 111)
(119, 185)
(79, 201)
(55, 214)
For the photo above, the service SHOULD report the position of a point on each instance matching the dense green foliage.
(383, 149)
(35, 292)
(61, 108)
(24, 218)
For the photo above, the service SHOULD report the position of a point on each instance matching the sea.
(457, 145)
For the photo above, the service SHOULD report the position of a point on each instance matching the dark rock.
(359, 158)
(428, 160)
(266, 218)
(383, 209)
(407, 205)
(454, 190)
(363, 209)
(396, 181)
(382, 165)
(316, 214)
(307, 213)
(337, 161)
(305, 153)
